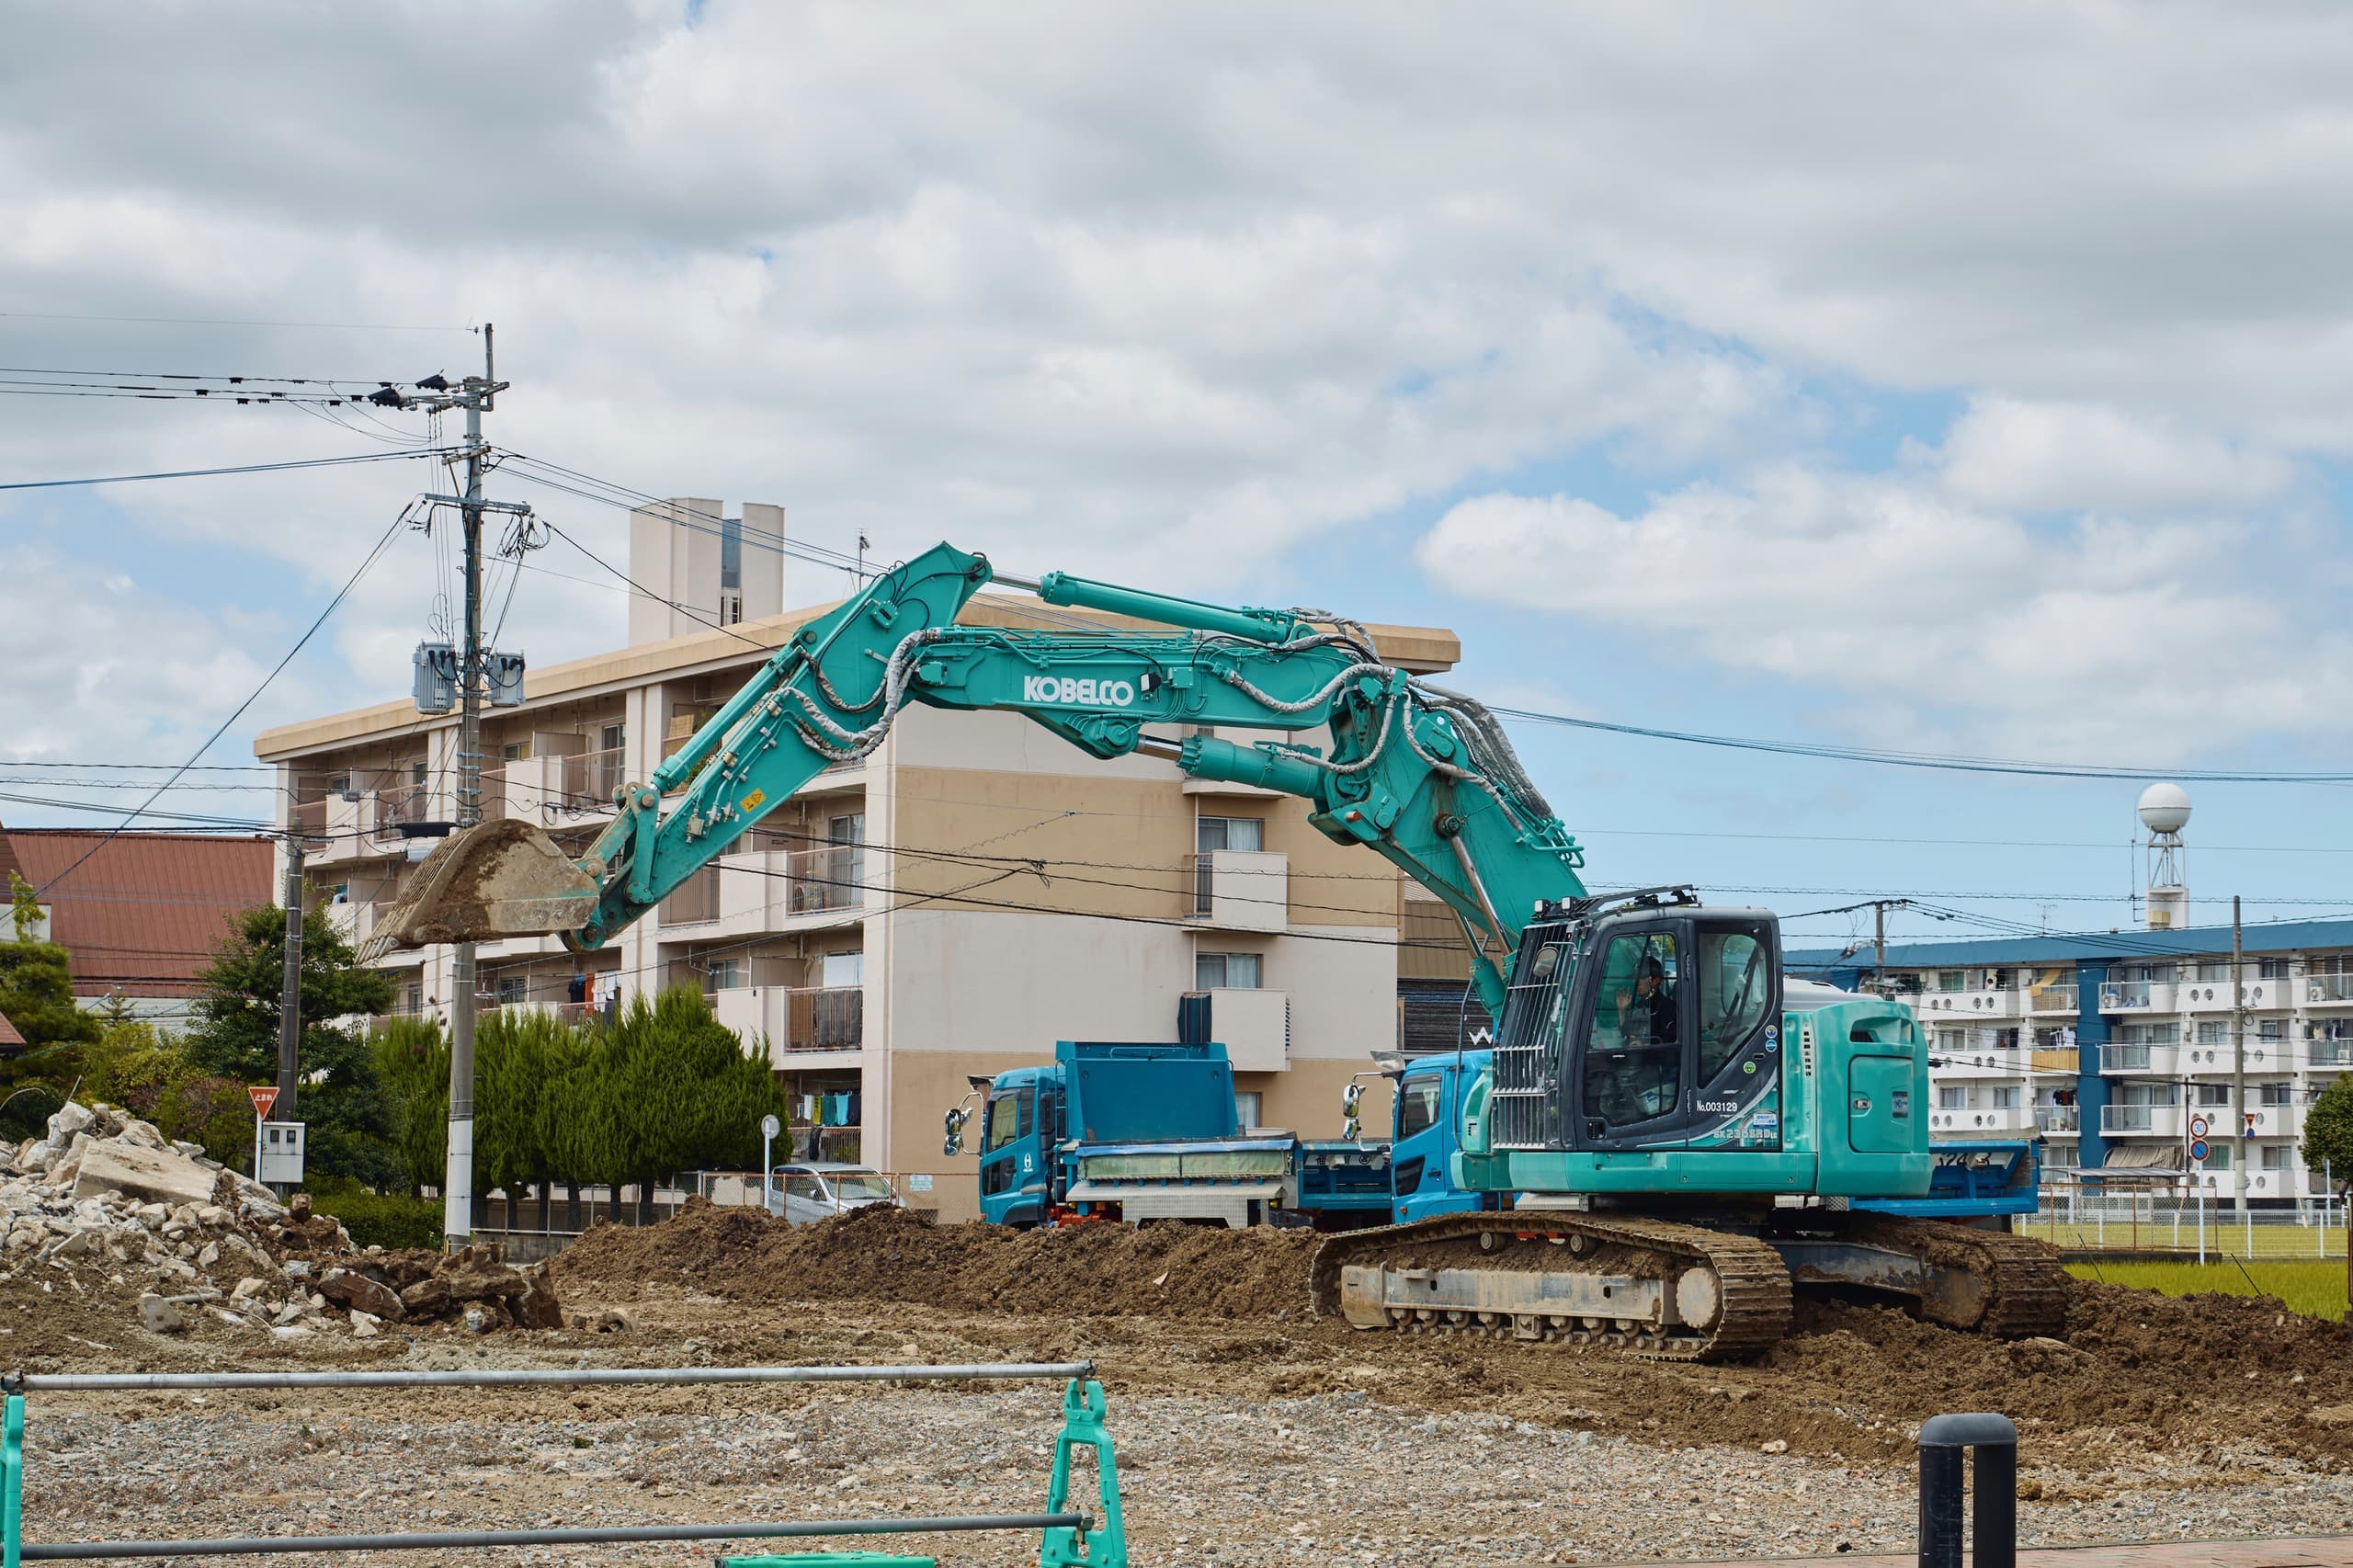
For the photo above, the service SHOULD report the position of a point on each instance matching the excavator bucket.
(501, 879)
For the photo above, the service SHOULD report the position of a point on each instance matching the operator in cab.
(1646, 1013)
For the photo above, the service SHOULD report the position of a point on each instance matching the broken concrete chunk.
(160, 1315)
(70, 1118)
(364, 1325)
(147, 1173)
(361, 1294)
(147, 1136)
(248, 1289)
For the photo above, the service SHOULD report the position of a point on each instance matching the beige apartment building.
(971, 893)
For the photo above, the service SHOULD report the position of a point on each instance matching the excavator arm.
(1420, 775)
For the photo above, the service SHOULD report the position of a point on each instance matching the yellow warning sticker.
(752, 801)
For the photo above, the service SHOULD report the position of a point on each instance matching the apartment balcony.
(1982, 1062)
(799, 1024)
(2142, 1121)
(2058, 1119)
(1938, 1006)
(1239, 890)
(2137, 996)
(765, 891)
(2137, 1059)
(1254, 1025)
(554, 789)
(1994, 1121)
(2325, 990)
(2053, 1001)
(2328, 1054)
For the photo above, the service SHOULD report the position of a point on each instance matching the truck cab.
(1425, 1122)
(1019, 1175)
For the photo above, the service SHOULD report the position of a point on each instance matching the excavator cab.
(1652, 1024)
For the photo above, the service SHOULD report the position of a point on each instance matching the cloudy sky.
(1972, 380)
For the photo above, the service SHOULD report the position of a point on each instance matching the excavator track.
(1655, 1289)
(1986, 1281)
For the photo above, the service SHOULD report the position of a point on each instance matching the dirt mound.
(894, 1254)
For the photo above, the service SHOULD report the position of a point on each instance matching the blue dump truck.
(1143, 1132)
(1135, 1131)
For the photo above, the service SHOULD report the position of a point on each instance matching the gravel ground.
(1204, 1480)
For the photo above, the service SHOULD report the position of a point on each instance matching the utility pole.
(475, 394)
(2238, 1144)
(1878, 946)
(289, 997)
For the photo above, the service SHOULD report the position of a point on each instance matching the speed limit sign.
(2198, 1128)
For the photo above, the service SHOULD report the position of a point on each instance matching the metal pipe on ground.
(61, 1551)
(35, 1382)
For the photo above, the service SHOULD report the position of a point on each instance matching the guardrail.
(1070, 1538)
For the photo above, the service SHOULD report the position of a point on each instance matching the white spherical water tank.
(2165, 808)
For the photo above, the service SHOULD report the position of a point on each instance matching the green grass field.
(2316, 1289)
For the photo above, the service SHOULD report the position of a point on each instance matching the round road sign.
(2197, 1149)
(2198, 1128)
(770, 1127)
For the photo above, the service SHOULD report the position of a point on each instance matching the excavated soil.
(1179, 1308)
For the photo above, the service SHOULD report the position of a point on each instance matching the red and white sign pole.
(264, 1096)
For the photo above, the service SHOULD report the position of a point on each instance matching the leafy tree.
(151, 1074)
(413, 1061)
(24, 905)
(2328, 1131)
(350, 1116)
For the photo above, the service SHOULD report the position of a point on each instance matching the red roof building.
(10, 1038)
(142, 914)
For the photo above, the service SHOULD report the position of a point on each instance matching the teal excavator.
(1673, 1137)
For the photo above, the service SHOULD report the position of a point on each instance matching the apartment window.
(1225, 971)
(841, 971)
(1951, 1097)
(2148, 1094)
(2273, 1030)
(2149, 1034)
(514, 990)
(612, 737)
(1248, 1107)
(2217, 1155)
(1228, 833)
(731, 558)
(416, 774)
(412, 999)
(847, 828)
(2214, 1031)
(2006, 1096)
(731, 606)
(514, 751)
(342, 893)
(2002, 1040)
(1952, 980)
(1950, 1039)
(2211, 1095)
(2212, 971)
(2275, 969)
(2278, 1157)
(2275, 1094)
(727, 974)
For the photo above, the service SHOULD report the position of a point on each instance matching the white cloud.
(2045, 456)
(2150, 641)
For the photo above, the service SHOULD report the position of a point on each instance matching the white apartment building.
(2115, 1048)
(968, 895)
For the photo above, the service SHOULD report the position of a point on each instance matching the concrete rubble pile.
(108, 1193)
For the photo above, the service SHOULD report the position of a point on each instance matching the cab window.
(1008, 1118)
(1634, 1056)
(1416, 1107)
(1736, 988)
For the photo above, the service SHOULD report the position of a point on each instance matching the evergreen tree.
(350, 1116)
(413, 1061)
(36, 997)
(680, 1091)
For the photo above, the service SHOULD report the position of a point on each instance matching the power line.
(341, 594)
(1936, 760)
(243, 467)
(204, 321)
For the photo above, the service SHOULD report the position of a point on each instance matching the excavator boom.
(1419, 774)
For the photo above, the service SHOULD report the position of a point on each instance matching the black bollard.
(1943, 1438)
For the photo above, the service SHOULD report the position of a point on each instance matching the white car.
(818, 1189)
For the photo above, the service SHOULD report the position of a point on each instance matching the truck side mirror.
(953, 1144)
(1351, 1096)
(1352, 1129)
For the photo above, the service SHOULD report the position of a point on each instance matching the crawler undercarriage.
(1672, 1289)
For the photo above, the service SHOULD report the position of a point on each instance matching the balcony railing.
(694, 900)
(795, 1019)
(393, 808)
(2330, 1053)
(830, 877)
(2054, 999)
(2327, 988)
(2123, 995)
(2057, 1118)
(309, 819)
(585, 780)
(2117, 1058)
